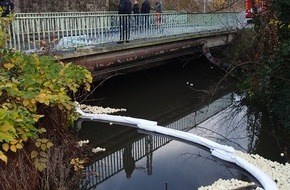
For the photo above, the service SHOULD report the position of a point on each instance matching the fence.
(31, 32)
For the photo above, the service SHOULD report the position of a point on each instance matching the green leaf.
(2, 114)
(6, 126)
(5, 147)
(40, 166)
(26, 102)
(44, 140)
(29, 95)
(42, 130)
(43, 147)
(7, 137)
(19, 146)
(37, 144)
(13, 148)
(33, 154)
(14, 141)
(4, 158)
(43, 154)
(49, 144)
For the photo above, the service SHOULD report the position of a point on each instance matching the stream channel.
(179, 95)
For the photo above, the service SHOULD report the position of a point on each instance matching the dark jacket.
(125, 7)
(136, 9)
(158, 7)
(7, 6)
(145, 8)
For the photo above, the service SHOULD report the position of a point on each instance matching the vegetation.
(36, 113)
(37, 98)
(263, 60)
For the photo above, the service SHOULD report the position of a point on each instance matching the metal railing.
(52, 14)
(60, 31)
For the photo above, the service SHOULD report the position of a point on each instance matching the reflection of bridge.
(89, 38)
(113, 161)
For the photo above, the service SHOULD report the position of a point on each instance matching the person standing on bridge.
(145, 10)
(6, 7)
(158, 12)
(136, 12)
(125, 9)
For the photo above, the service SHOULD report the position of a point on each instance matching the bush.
(36, 110)
(263, 63)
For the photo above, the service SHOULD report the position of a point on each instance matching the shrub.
(36, 109)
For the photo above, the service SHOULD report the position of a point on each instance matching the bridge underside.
(113, 59)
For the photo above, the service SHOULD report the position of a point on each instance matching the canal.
(190, 96)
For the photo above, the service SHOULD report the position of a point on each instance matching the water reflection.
(128, 161)
(132, 154)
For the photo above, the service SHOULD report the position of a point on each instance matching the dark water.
(176, 96)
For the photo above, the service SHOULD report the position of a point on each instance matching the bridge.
(90, 38)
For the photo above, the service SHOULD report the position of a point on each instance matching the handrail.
(49, 14)
(69, 13)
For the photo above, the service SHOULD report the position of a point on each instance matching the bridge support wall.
(131, 57)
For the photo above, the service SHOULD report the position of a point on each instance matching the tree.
(264, 61)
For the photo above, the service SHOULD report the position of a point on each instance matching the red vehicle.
(251, 4)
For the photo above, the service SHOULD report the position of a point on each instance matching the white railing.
(61, 31)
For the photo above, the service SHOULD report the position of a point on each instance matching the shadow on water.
(161, 93)
(176, 97)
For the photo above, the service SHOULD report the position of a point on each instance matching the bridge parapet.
(67, 31)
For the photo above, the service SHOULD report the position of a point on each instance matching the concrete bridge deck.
(112, 58)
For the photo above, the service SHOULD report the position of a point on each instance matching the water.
(176, 96)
